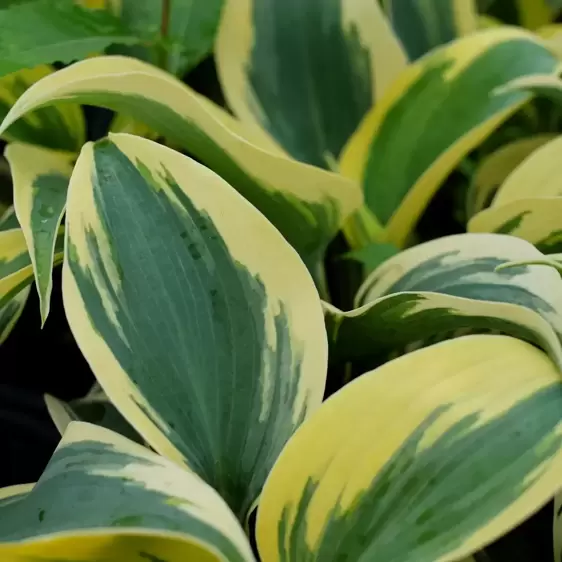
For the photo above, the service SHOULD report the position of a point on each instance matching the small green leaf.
(46, 31)
(373, 255)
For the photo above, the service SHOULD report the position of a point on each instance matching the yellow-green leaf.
(423, 25)
(199, 321)
(427, 459)
(12, 308)
(495, 169)
(306, 71)
(529, 203)
(40, 177)
(439, 109)
(105, 498)
(446, 286)
(306, 204)
(59, 126)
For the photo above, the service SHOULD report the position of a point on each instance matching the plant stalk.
(164, 31)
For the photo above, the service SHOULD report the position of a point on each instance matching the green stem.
(164, 30)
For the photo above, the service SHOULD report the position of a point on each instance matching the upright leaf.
(307, 71)
(449, 286)
(423, 25)
(40, 177)
(427, 459)
(46, 31)
(496, 168)
(199, 321)
(434, 114)
(306, 204)
(103, 497)
(529, 203)
(59, 127)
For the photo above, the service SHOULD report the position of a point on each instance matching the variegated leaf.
(308, 205)
(529, 202)
(496, 168)
(105, 498)
(427, 459)
(449, 285)
(448, 103)
(12, 309)
(40, 178)
(59, 126)
(306, 71)
(423, 25)
(173, 291)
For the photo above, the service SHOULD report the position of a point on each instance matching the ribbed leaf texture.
(48, 31)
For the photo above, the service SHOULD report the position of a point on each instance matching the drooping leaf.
(12, 309)
(47, 31)
(306, 71)
(423, 25)
(447, 286)
(200, 322)
(495, 169)
(105, 498)
(58, 127)
(529, 203)
(306, 204)
(427, 459)
(40, 177)
(434, 114)
(191, 30)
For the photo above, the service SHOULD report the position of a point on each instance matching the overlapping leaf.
(103, 497)
(12, 308)
(199, 321)
(57, 127)
(423, 25)
(308, 84)
(427, 459)
(40, 177)
(496, 168)
(529, 203)
(433, 115)
(306, 204)
(447, 286)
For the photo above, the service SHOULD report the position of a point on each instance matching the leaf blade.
(355, 495)
(124, 203)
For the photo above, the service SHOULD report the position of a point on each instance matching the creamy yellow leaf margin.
(12, 309)
(103, 497)
(529, 202)
(307, 204)
(475, 449)
(59, 127)
(496, 167)
(40, 178)
(272, 57)
(221, 299)
(416, 162)
(444, 288)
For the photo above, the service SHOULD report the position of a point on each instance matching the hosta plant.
(205, 329)
(198, 293)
